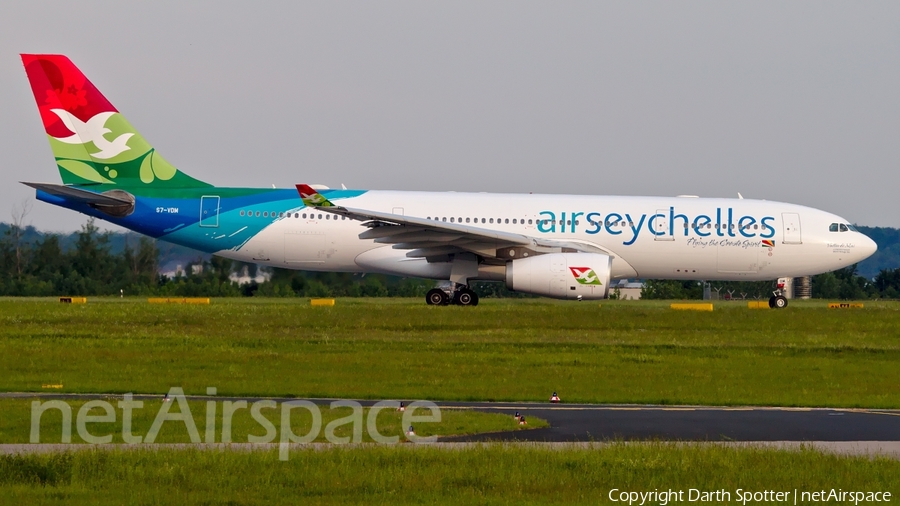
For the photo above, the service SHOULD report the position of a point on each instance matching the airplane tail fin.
(311, 197)
(91, 141)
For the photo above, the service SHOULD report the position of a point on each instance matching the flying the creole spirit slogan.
(561, 246)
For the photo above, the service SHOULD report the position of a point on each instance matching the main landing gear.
(461, 297)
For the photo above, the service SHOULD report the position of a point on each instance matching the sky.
(788, 101)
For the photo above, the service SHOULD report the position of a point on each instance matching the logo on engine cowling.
(585, 276)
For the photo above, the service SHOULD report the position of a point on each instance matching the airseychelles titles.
(723, 224)
(744, 497)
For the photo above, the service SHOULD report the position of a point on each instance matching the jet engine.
(561, 275)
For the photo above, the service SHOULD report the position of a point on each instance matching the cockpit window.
(852, 228)
(844, 228)
(833, 227)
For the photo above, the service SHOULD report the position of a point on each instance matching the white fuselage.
(684, 238)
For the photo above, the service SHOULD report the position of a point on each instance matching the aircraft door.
(661, 226)
(209, 211)
(791, 224)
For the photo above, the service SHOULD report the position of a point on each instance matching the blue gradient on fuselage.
(153, 216)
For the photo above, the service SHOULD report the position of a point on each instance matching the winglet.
(311, 197)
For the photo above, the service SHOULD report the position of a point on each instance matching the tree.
(671, 289)
(19, 213)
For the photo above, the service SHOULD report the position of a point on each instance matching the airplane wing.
(79, 195)
(431, 238)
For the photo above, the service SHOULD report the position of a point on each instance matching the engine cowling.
(561, 275)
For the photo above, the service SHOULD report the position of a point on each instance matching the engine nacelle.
(561, 275)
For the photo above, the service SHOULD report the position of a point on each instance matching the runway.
(593, 422)
(571, 423)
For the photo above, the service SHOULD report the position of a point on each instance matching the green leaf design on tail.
(155, 166)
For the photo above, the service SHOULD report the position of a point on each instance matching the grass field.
(620, 352)
(521, 350)
(415, 474)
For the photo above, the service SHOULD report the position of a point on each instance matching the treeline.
(842, 284)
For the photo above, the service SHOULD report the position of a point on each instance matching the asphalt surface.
(592, 422)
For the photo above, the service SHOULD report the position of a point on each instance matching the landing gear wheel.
(780, 302)
(465, 297)
(772, 302)
(437, 297)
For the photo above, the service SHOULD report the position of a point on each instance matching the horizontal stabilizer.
(79, 195)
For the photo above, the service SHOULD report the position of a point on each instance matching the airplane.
(560, 246)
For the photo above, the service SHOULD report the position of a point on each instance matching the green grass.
(414, 474)
(620, 352)
(16, 418)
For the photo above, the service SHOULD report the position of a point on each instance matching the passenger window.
(320, 216)
(452, 220)
(242, 213)
(265, 214)
(514, 221)
(492, 220)
(529, 222)
(507, 221)
(482, 220)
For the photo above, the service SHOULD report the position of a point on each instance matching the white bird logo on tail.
(93, 131)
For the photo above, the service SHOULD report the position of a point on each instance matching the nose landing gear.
(462, 296)
(778, 300)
